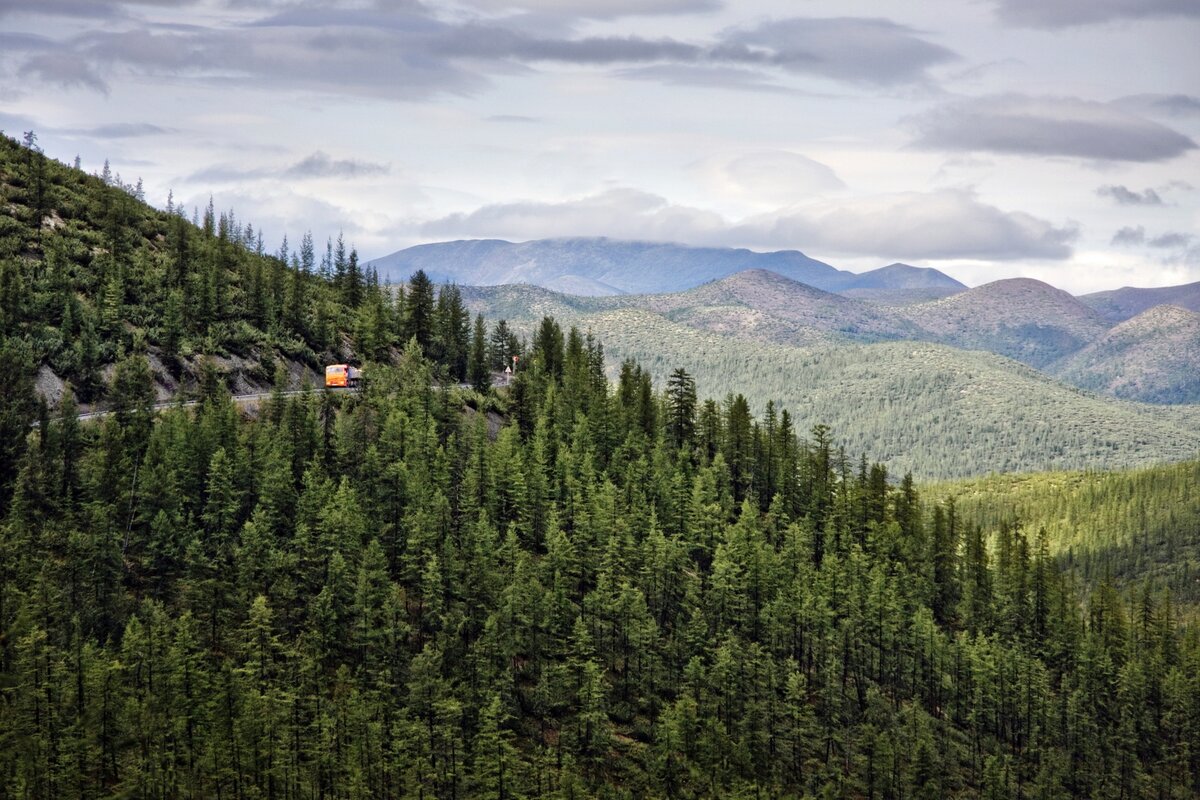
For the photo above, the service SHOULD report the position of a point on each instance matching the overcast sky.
(990, 138)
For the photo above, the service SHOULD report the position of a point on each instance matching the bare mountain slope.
(1021, 318)
(1153, 357)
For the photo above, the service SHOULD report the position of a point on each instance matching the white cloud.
(920, 226)
(1047, 126)
(772, 177)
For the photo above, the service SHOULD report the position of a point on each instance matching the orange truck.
(342, 376)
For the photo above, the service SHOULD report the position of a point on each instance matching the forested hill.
(97, 288)
(1138, 525)
(89, 273)
(625, 594)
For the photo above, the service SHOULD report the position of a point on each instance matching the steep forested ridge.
(89, 273)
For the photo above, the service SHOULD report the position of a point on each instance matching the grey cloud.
(316, 165)
(1130, 236)
(63, 69)
(95, 9)
(405, 52)
(20, 42)
(1170, 240)
(597, 9)
(401, 63)
(519, 118)
(83, 9)
(845, 48)
(1128, 197)
(1171, 105)
(712, 77)
(927, 226)
(598, 50)
(625, 213)
(320, 165)
(122, 130)
(1070, 13)
(948, 224)
(225, 174)
(17, 123)
(1048, 126)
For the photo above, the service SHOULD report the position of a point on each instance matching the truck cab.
(342, 376)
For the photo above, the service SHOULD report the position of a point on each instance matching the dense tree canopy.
(370, 596)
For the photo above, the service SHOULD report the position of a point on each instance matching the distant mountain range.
(1154, 357)
(991, 413)
(1122, 342)
(599, 267)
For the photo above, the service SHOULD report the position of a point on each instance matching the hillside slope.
(904, 276)
(1021, 318)
(753, 304)
(763, 305)
(1153, 357)
(1130, 525)
(91, 273)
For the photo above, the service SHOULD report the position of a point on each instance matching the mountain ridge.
(1117, 305)
(601, 266)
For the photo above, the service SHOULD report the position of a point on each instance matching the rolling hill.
(763, 305)
(937, 410)
(754, 304)
(1150, 357)
(1121, 304)
(1021, 318)
(900, 285)
(904, 276)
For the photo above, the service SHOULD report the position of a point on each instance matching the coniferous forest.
(569, 588)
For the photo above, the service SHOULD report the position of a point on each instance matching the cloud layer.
(403, 50)
(1070, 13)
(1048, 126)
(317, 164)
(948, 224)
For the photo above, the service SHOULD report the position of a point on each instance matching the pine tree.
(681, 407)
(478, 371)
(418, 310)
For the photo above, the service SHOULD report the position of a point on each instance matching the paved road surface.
(239, 399)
